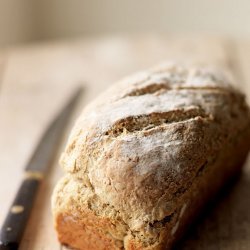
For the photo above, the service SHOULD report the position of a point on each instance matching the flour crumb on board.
(183, 210)
(174, 229)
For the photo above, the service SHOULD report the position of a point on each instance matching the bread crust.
(144, 158)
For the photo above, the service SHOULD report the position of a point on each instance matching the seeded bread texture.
(145, 156)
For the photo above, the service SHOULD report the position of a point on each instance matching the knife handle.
(16, 220)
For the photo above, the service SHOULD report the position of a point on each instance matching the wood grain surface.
(36, 80)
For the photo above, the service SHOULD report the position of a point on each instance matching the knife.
(16, 220)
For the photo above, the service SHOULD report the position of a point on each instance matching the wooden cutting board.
(35, 81)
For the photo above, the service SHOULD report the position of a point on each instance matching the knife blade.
(16, 220)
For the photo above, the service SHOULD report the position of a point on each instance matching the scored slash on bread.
(145, 156)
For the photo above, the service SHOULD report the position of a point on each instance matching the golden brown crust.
(139, 164)
(86, 232)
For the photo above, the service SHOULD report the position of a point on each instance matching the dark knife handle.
(18, 215)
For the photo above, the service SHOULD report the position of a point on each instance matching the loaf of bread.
(144, 158)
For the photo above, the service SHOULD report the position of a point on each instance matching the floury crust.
(145, 156)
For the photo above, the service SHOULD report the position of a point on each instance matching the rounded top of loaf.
(140, 144)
